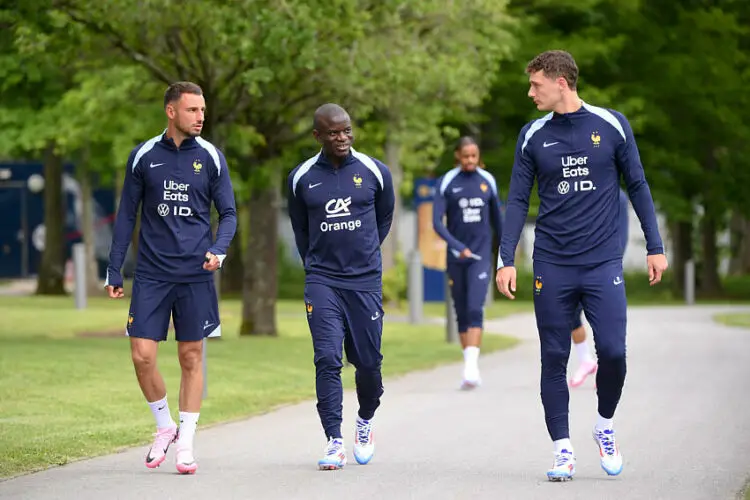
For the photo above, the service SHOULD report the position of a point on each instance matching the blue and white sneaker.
(609, 452)
(364, 443)
(334, 457)
(564, 467)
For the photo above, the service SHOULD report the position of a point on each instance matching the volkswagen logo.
(163, 209)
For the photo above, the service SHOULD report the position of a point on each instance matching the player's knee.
(328, 360)
(475, 317)
(554, 359)
(191, 355)
(611, 352)
(143, 352)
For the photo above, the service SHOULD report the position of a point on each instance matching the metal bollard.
(79, 267)
(690, 282)
(205, 368)
(490, 286)
(451, 326)
(415, 288)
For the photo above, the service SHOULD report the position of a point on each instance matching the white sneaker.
(609, 452)
(364, 443)
(563, 468)
(334, 456)
(471, 379)
(185, 461)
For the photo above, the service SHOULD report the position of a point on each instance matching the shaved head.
(327, 113)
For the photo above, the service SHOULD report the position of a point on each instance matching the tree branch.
(118, 41)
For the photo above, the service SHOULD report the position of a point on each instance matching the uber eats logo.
(337, 208)
(574, 168)
(174, 191)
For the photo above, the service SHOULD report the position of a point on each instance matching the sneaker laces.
(363, 432)
(333, 447)
(562, 458)
(607, 441)
(163, 437)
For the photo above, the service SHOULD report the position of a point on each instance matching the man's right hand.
(465, 254)
(115, 292)
(506, 281)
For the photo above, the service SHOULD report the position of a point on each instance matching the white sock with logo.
(160, 409)
(563, 444)
(188, 424)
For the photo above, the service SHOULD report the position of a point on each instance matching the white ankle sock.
(584, 354)
(188, 423)
(563, 444)
(602, 423)
(160, 409)
(471, 357)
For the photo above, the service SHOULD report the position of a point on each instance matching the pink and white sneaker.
(158, 451)
(587, 368)
(185, 461)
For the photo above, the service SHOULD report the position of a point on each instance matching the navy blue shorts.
(468, 283)
(193, 307)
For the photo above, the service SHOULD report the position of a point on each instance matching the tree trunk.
(710, 282)
(739, 263)
(87, 229)
(390, 246)
(682, 232)
(260, 284)
(232, 277)
(51, 279)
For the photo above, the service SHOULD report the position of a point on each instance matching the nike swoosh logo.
(456, 190)
(377, 315)
(617, 281)
(153, 165)
(548, 144)
(314, 185)
(208, 326)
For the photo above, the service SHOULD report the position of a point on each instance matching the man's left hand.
(212, 262)
(657, 264)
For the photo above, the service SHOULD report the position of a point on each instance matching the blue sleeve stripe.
(211, 151)
(147, 146)
(535, 127)
(367, 161)
(447, 179)
(607, 117)
(489, 178)
(302, 170)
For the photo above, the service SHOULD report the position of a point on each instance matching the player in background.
(467, 197)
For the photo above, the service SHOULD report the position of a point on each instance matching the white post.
(451, 327)
(79, 267)
(205, 368)
(415, 288)
(690, 282)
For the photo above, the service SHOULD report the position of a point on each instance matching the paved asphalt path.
(683, 426)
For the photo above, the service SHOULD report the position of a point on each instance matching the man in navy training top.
(341, 208)
(587, 364)
(577, 154)
(467, 196)
(173, 177)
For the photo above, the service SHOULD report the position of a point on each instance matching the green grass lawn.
(734, 319)
(67, 387)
